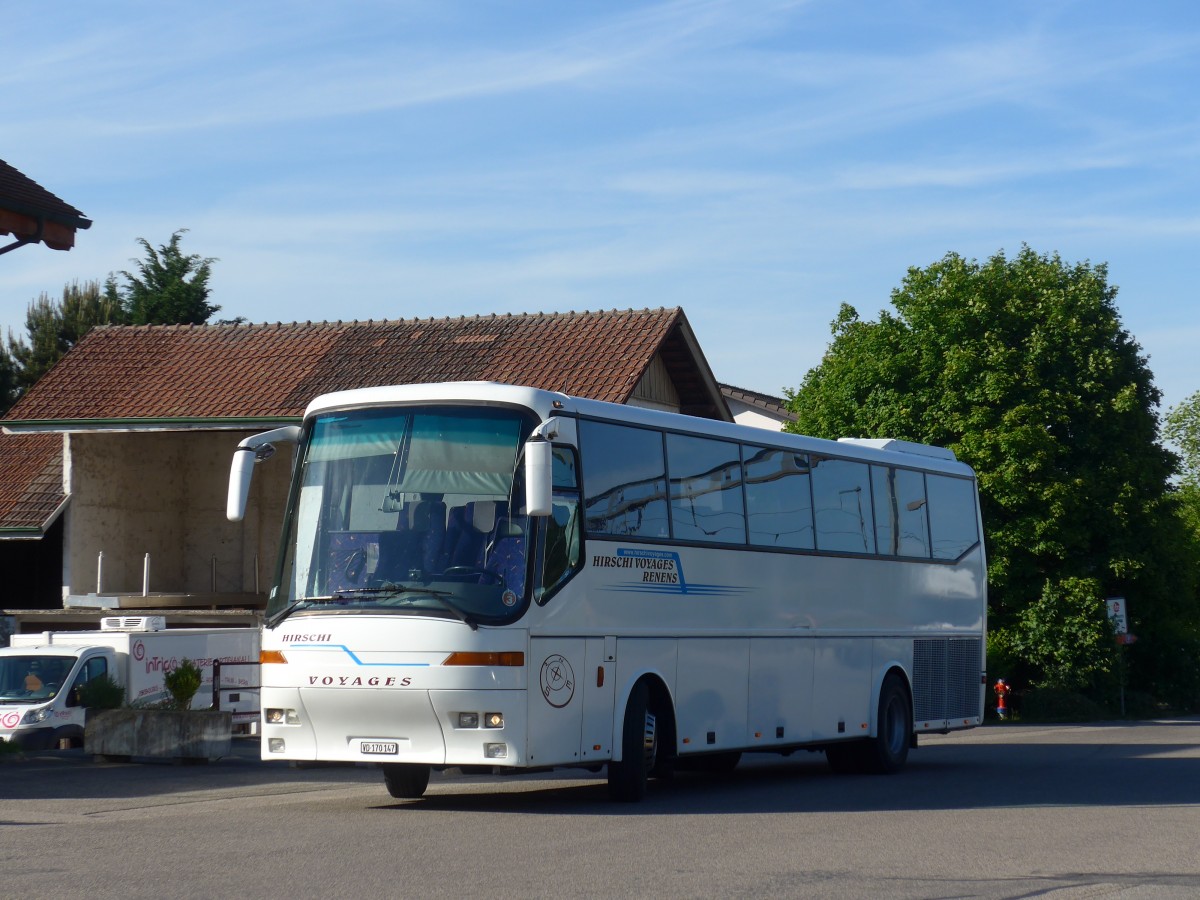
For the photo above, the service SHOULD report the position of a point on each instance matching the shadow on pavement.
(991, 768)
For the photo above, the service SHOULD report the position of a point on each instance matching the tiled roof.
(273, 371)
(31, 482)
(23, 202)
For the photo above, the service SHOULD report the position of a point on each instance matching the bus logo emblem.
(557, 680)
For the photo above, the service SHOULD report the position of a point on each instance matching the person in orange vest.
(1001, 690)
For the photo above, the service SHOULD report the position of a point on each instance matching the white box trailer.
(41, 674)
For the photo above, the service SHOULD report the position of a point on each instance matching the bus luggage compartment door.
(563, 694)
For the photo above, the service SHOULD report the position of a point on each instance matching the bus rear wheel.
(639, 749)
(406, 781)
(888, 750)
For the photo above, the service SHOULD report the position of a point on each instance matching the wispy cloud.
(755, 161)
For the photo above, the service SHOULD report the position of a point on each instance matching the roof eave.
(33, 532)
(60, 218)
(173, 423)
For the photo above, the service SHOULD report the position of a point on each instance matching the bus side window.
(706, 490)
(778, 498)
(561, 559)
(562, 543)
(625, 480)
(901, 519)
(952, 517)
(842, 505)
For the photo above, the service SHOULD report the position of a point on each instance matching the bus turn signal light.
(271, 656)
(505, 658)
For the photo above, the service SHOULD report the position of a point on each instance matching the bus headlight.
(468, 720)
(495, 751)
(276, 745)
(493, 720)
(275, 716)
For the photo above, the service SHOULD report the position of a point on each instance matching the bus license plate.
(385, 748)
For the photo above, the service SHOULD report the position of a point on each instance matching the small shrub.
(182, 683)
(102, 692)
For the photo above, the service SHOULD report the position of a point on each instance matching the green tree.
(1182, 428)
(169, 287)
(52, 327)
(1022, 367)
(9, 388)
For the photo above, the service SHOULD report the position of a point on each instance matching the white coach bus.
(504, 579)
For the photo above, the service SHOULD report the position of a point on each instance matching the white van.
(41, 674)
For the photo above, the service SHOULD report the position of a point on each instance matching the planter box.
(158, 733)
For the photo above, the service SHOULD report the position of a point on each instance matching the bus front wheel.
(405, 781)
(639, 749)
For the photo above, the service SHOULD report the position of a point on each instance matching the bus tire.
(406, 781)
(888, 750)
(639, 749)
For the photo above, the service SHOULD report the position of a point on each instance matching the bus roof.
(549, 403)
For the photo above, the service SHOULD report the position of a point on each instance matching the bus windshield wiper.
(395, 590)
(295, 605)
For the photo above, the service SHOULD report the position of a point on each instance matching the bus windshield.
(408, 510)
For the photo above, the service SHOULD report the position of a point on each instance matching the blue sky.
(757, 163)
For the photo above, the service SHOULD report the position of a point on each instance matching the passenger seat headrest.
(483, 515)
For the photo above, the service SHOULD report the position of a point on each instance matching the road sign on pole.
(1116, 615)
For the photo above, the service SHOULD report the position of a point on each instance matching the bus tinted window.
(706, 490)
(901, 512)
(842, 505)
(563, 469)
(952, 521)
(625, 480)
(778, 498)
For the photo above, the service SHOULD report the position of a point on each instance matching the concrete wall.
(163, 493)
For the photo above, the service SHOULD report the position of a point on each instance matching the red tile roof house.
(124, 447)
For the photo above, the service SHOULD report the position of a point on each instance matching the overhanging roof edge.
(36, 212)
(34, 532)
(181, 423)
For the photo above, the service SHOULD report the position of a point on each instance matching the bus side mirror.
(250, 451)
(240, 475)
(539, 476)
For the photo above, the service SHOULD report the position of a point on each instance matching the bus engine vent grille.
(946, 674)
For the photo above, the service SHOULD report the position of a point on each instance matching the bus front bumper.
(434, 727)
